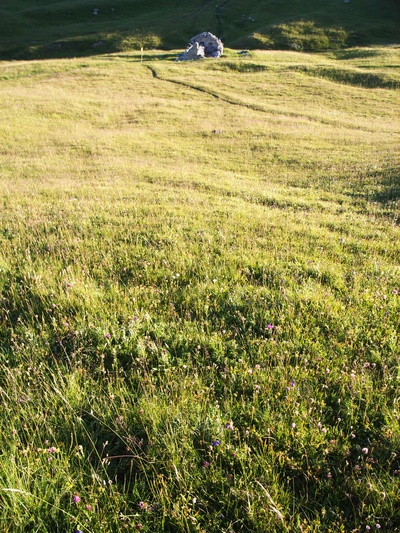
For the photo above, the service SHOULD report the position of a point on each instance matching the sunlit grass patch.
(199, 276)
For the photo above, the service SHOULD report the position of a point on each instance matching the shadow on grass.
(356, 54)
(390, 188)
(83, 48)
(136, 57)
(354, 77)
(380, 187)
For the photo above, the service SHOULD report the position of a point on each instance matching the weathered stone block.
(202, 45)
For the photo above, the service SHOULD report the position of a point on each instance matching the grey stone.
(193, 52)
(295, 46)
(202, 45)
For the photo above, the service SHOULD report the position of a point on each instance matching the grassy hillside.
(38, 29)
(200, 293)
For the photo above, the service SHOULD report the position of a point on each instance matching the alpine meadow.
(199, 267)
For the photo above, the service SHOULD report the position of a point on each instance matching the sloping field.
(199, 276)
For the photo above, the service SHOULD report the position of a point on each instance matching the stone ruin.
(202, 45)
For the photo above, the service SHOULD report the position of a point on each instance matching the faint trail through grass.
(263, 108)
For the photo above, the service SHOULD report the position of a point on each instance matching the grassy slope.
(69, 28)
(193, 253)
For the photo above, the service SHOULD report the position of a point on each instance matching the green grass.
(31, 29)
(199, 276)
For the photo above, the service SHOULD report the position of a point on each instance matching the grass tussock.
(199, 277)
